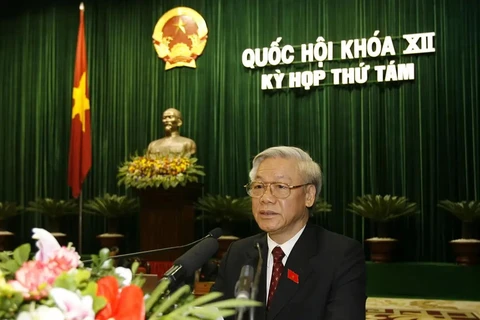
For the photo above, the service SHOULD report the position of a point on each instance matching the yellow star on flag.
(82, 103)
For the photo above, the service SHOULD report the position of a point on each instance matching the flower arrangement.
(55, 285)
(142, 172)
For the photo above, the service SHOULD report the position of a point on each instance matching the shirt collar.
(287, 247)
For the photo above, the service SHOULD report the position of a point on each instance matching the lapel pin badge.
(293, 276)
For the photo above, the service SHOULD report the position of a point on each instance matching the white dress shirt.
(286, 247)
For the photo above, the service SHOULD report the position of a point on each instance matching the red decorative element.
(292, 276)
(126, 304)
(278, 255)
(159, 267)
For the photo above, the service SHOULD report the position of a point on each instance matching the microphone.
(244, 283)
(215, 233)
(244, 286)
(193, 259)
(256, 281)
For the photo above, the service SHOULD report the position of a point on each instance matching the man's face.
(170, 121)
(282, 217)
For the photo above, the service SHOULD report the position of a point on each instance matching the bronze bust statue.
(172, 144)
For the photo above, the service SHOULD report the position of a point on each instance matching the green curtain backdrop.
(418, 139)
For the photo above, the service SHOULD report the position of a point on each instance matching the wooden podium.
(167, 218)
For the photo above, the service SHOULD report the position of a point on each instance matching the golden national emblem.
(179, 37)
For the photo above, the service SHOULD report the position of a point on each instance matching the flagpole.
(80, 223)
(80, 156)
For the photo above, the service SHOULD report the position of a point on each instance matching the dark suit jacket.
(331, 277)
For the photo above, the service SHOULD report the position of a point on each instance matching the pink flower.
(63, 259)
(57, 258)
(73, 305)
(34, 279)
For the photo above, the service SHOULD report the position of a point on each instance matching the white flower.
(125, 274)
(74, 306)
(47, 244)
(41, 313)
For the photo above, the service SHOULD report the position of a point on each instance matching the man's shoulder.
(333, 239)
(333, 247)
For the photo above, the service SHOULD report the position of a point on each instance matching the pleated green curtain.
(418, 139)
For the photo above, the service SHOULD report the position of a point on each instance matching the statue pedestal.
(167, 219)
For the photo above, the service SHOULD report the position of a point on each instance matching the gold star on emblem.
(81, 101)
(180, 25)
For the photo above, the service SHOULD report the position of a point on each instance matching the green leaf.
(234, 303)
(466, 211)
(99, 303)
(5, 255)
(104, 254)
(53, 208)
(22, 253)
(90, 289)
(9, 209)
(382, 208)
(10, 266)
(65, 281)
(81, 277)
(224, 208)
(111, 206)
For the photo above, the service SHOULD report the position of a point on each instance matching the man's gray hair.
(309, 169)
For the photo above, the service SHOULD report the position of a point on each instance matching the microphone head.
(244, 285)
(216, 233)
(247, 271)
(196, 257)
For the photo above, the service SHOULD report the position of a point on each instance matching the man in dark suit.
(308, 272)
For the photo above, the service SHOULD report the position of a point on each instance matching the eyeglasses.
(256, 189)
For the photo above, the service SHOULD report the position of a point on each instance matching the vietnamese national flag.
(80, 157)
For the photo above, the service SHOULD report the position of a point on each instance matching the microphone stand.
(256, 280)
(154, 250)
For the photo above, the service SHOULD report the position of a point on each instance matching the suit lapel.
(299, 265)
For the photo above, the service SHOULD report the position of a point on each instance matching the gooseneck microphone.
(256, 280)
(215, 233)
(185, 266)
(244, 283)
(244, 286)
(193, 259)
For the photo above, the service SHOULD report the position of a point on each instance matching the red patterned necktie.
(278, 255)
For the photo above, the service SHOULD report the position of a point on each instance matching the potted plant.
(7, 211)
(112, 208)
(467, 248)
(382, 210)
(318, 211)
(321, 206)
(223, 211)
(53, 210)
